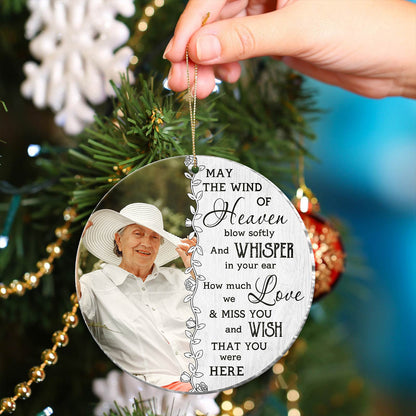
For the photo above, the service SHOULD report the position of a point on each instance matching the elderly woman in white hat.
(134, 306)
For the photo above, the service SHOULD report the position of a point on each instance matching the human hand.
(366, 46)
(183, 250)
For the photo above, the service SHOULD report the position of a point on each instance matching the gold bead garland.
(49, 357)
(45, 266)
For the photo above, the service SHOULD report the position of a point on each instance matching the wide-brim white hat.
(103, 224)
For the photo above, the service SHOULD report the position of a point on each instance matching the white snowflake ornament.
(74, 40)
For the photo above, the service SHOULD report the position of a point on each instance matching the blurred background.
(366, 176)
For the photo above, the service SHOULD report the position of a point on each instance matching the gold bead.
(249, 405)
(226, 405)
(142, 26)
(31, 280)
(37, 374)
(17, 287)
(4, 294)
(44, 266)
(23, 391)
(54, 249)
(70, 319)
(62, 232)
(149, 11)
(8, 404)
(134, 60)
(60, 339)
(292, 395)
(278, 368)
(74, 299)
(238, 411)
(69, 214)
(49, 357)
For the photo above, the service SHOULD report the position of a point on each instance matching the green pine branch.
(9, 7)
(146, 125)
(140, 408)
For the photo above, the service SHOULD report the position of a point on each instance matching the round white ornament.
(254, 271)
(222, 314)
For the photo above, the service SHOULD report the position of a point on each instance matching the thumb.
(276, 33)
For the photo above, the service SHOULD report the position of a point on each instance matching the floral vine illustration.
(192, 324)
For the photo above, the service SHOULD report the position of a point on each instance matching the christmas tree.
(262, 121)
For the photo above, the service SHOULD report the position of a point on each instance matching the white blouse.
(139, 325)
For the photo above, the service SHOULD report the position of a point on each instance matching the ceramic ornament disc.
(254, 272)
(225, 309)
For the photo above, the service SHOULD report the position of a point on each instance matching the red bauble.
(327, 246)
(328, 252)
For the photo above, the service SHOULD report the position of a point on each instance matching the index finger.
(192, 18)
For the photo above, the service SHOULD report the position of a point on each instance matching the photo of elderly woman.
(133, 304)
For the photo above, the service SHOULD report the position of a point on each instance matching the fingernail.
(281, 4)
(168, 48)
(208, 47)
